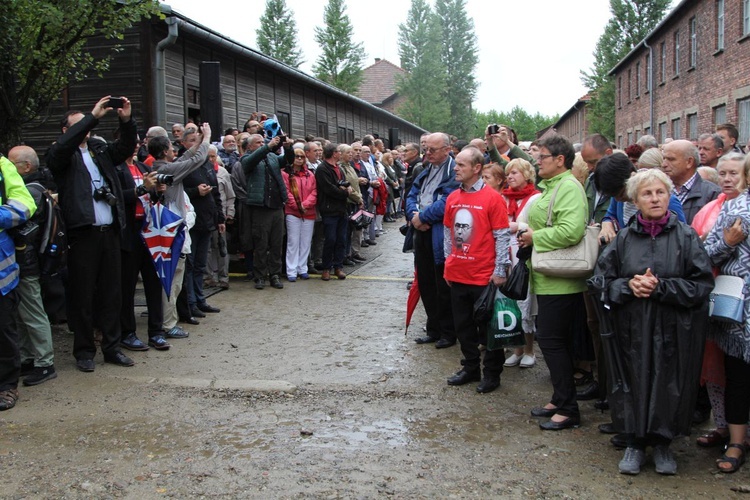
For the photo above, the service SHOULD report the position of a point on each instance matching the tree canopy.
(43, 50)
(340, 61)
(525, 124)
(277, 35)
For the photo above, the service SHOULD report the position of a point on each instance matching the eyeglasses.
(435, 150)
(544, 157)
(299, 156)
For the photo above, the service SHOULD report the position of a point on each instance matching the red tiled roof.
(379, 82)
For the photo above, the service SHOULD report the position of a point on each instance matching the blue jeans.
(334, 227)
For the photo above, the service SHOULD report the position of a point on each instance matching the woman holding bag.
(560, 299)
(519, 195)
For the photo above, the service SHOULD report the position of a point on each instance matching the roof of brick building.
(379, 81)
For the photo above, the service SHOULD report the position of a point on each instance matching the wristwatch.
(141, 190)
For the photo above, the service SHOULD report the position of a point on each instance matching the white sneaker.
(528, 361)
(513, 360)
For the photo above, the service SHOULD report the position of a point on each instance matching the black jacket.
(208, 212)
(73, 179)
(658, 341)
(131, 233)
(331, 198)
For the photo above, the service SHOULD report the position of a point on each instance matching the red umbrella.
(411, 301)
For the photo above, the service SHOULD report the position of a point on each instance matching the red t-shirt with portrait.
(471, 218)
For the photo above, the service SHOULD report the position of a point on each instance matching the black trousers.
(737, 392)
(470, 334)
(10, 355)
(334, 244)
(554, 332)
(435, 292)
(94, 285)
(139, 261)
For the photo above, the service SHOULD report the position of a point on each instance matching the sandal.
(735, 462)
(8, 399)
(585, 377)
(713, 438)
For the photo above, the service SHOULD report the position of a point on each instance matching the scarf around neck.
(514, 195)
(653, 227)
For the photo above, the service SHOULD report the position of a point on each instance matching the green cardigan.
(569, 216)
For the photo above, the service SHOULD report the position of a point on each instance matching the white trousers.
(299, 233)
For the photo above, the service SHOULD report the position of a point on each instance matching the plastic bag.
(517, 285)
(505, 328)
(485, 304)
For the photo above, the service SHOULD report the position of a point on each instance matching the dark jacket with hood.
(657, 346)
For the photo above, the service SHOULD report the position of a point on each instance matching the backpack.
(53, 248)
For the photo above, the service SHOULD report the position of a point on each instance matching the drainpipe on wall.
(160, 90)
(650, 70)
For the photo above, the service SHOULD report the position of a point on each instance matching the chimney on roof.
(377, 59)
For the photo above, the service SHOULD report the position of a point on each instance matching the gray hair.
(718, 141)
(651, 158)
(709, 174)
(733, 156)
(647, 141)
(213, 149)
(156, 132)
(645, 177)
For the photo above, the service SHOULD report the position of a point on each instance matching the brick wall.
(718, 77)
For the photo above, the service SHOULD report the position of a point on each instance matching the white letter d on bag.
(501, 321)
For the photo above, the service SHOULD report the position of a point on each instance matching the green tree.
(277, 35)
(631, 21)
(459, 56)
(340, 62)
(525, 124)
(423, 86)
(43, 50)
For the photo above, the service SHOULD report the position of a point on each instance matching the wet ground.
(314, 392)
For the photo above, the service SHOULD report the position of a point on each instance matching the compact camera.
(105, 194)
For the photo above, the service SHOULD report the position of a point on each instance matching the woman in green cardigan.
(560, 300)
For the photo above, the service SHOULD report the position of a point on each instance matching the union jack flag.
(163, 232)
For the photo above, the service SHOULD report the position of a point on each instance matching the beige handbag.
(576, 261)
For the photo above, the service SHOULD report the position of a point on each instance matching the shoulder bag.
(726, 303)
(576, 261)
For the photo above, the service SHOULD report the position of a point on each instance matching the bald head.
(681, 160)
(25, 160)
(479, 144)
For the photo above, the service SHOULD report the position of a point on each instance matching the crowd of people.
(671, 217)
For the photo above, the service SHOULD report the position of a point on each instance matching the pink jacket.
(308, 194)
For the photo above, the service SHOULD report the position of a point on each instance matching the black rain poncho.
(658, 342)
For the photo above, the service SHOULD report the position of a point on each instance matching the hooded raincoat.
(658, 341)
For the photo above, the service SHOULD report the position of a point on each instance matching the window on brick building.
(638, 79)
(720, 114)
(745, 17)
(693, 43)
(630, 139)
(648, 72)
(619, 92)
(663, 62)
(647, 131)
(692, 131)
(719, 24)
(676, 129)
(662, 132)
(630, 87)
(676, 62)
(743, 120)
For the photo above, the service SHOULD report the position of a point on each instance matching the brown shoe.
(340, 274)
(325, 275)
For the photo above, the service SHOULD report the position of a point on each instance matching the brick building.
(379, 82)
(574, 123)
(688, 75)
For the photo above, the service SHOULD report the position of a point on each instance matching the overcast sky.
(530, 53)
